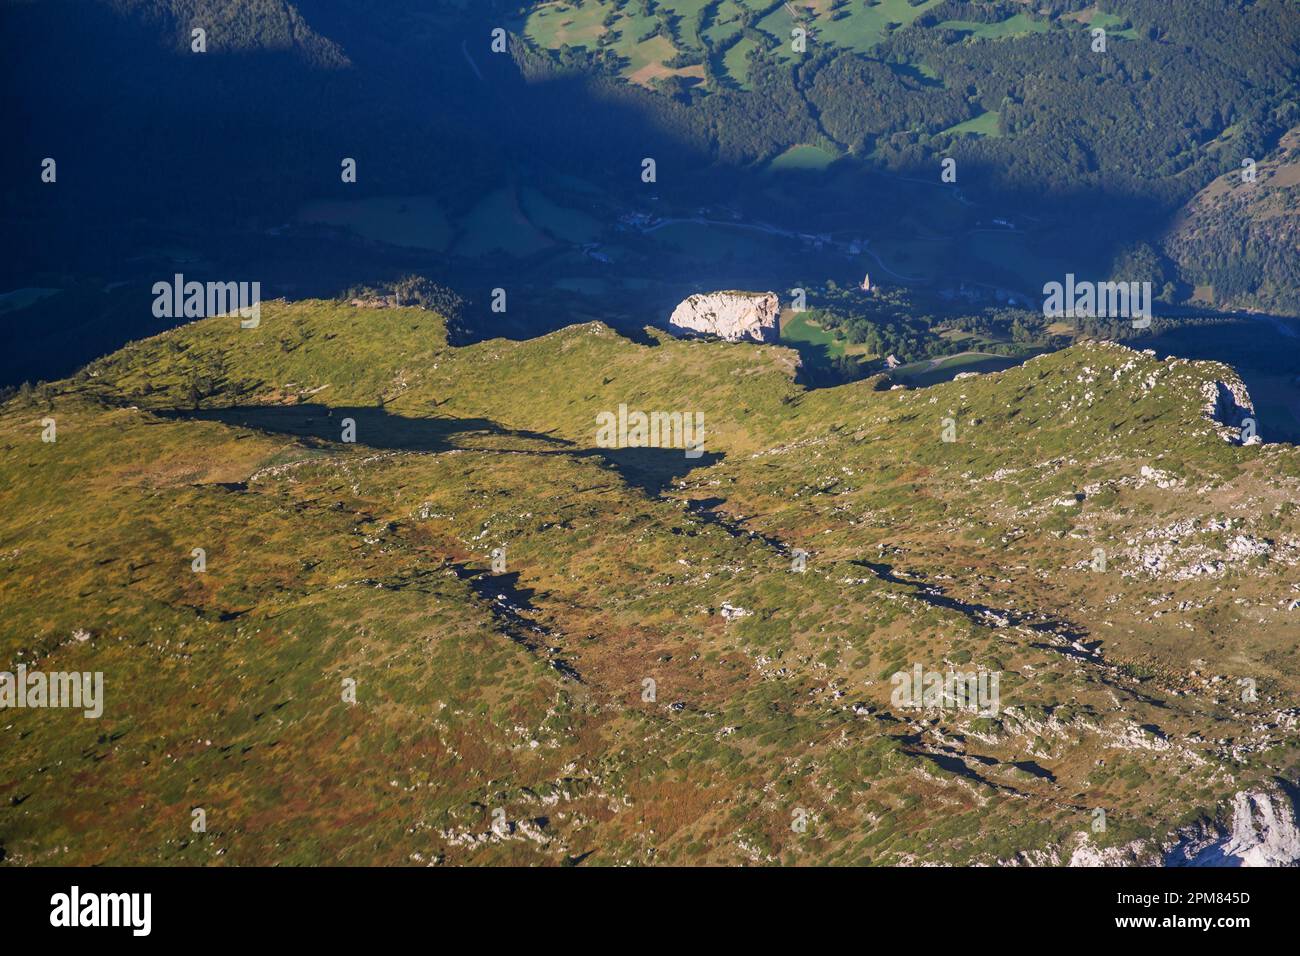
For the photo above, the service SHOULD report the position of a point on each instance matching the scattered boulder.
(731, 613)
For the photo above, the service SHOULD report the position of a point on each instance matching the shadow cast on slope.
(650, 469)
(372, 427)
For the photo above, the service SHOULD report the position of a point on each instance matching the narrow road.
(470, 60)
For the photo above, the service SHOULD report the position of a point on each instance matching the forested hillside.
(1238, 240)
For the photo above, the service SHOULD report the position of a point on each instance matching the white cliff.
(733, 316)
(1260, 831)
(1228, 405)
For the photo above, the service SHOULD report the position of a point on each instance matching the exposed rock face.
(1227, 403)
(1262, 831)
(734, 316)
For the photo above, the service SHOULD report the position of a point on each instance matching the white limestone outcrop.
(733, 316)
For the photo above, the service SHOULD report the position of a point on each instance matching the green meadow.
(1018, 25)
(933, 371)
(567, 22)
(564, 222)
(860, 29)
(799, 328)
(986, 124)
(414, 221)
(802, 158)
(856, 26)
(497, 224)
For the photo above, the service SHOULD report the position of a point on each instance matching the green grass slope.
(502, 714)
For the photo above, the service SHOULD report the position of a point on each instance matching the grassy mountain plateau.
(501, 711)
(652, 418)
